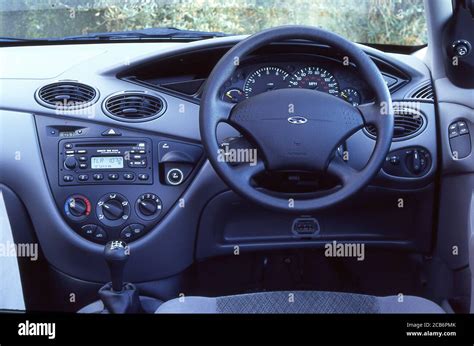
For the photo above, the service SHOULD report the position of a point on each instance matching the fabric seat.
(300, 302)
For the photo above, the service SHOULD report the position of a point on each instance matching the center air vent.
(134, 106)
(408, 123)
(66, 95)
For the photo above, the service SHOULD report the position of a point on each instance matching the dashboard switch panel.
(459, 139)
(409, 162)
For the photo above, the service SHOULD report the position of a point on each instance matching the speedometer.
(265, 79)
(315, 78)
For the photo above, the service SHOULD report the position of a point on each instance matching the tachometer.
(316, 78)
(265, 79)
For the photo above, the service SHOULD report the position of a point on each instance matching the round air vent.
(66, 95)
(134, 106)
(408, 123)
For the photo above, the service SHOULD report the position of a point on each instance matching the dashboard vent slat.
(425, 92)
(66, 95)
(134, 106)
(408, 123)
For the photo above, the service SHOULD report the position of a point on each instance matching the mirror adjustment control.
(459, 139)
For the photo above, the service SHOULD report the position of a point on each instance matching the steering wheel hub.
(296, 129)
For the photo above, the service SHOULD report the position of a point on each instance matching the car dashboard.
(73, 160)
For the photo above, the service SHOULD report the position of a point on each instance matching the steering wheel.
(295, 129)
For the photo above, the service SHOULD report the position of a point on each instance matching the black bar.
(238, 329)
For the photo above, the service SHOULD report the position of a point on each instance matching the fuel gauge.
(351, 95)
(234, 95)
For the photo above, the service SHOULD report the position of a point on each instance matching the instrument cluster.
(326, 76)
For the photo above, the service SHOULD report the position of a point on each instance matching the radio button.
(140, 164)
(98, 176)
(82, 158)
(113, 176)
(69, 152)
(68, 146)
(83, 165)
(83, 177)
(143, 176)
(68, 178)
(142, 151)
(82, 151)
(129, 176)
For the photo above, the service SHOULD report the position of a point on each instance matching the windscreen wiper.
(165, 33)
(146, 34)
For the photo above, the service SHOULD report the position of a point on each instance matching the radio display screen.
(106, 162)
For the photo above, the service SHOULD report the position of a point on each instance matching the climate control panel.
(113, 213)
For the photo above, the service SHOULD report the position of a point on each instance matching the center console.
(112, 183)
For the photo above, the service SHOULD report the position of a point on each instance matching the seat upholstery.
(300, 302)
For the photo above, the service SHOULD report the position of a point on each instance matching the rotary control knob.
(77, 207)
(148, 206)
(113, 209)
(70, 163)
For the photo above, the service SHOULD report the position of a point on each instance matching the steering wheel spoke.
(222, 110)
(341, 169)
(372, 113)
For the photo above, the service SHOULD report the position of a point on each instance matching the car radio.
(111, 161)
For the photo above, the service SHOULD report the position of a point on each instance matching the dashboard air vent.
(408, 123)
(66, 95)
(425, 92)
(134, 106)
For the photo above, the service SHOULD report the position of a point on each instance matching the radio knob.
(113, 209)
(70, 163)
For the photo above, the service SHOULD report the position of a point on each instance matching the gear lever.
(118, 296)
(116, 254)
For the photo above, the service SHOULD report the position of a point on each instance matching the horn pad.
(296, 129)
